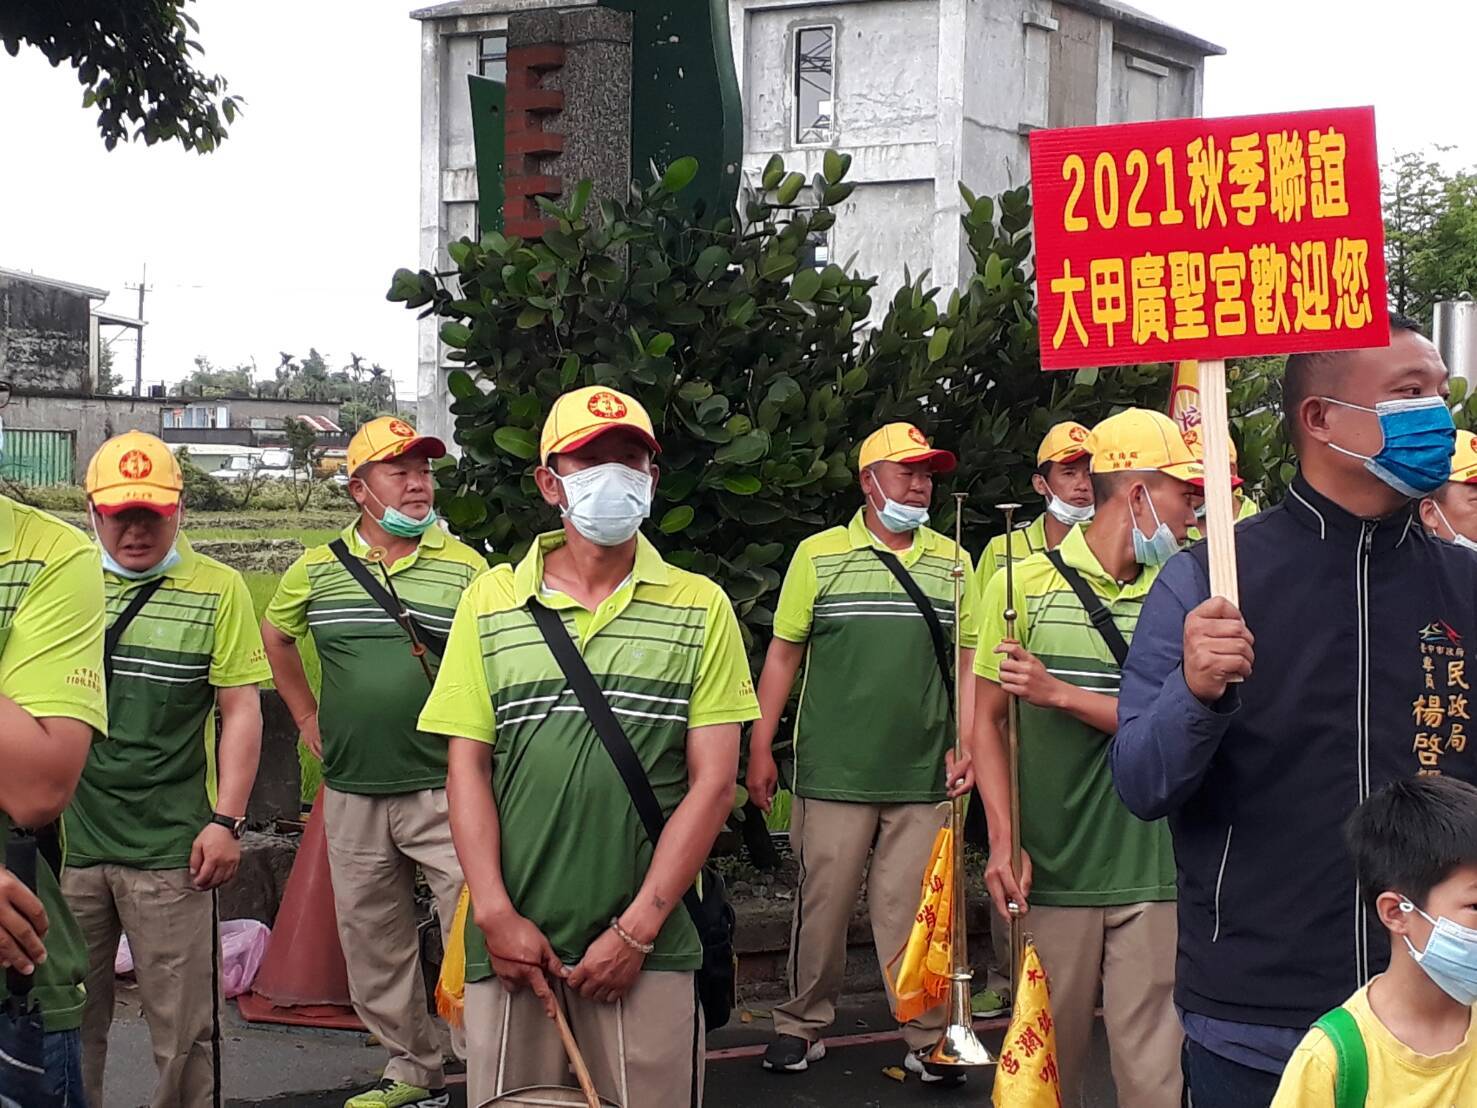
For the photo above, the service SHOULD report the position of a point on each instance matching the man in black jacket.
(1353, 653)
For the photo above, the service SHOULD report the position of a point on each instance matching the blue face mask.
(1420, 439)
(1450, 957)
(402, 526)
(1158, 548)
(901, 518)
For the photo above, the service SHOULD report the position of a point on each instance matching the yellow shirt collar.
(650, 567)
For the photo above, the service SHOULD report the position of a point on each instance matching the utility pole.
(138, 361)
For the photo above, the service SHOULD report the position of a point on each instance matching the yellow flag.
(919, 973)
(1027, 1075)
(451, 987)
(1184, 397)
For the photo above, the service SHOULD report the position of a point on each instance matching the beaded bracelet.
(629, 939)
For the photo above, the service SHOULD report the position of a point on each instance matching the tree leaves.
(517, 441)
(680, 174)
(136, 65)
(755, 369)
(677, 519)
(744, 450)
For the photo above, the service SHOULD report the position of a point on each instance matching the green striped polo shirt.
(146, 794)
(51, 662)
(1086, 848)
(666, 650)
(1024, 541)
(874, 719)
(373, 686)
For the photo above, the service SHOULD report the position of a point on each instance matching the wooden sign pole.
(1220, 512)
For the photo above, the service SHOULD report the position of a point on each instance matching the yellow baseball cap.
(1063, 443)
(1138, 440)
(1197, 448)
(134, 470)
(385, 438)
(902, 442)
(1192, 440)
(585, 414)
(1464, 462)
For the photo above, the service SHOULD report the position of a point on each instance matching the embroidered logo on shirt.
(1440, 712)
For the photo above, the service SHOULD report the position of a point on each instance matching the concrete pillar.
(569, 109)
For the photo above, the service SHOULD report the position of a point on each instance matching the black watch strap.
(235, 825)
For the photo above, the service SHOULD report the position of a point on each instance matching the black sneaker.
(931, 1074)
(792, 1054)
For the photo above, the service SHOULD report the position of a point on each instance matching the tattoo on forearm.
(660, 903)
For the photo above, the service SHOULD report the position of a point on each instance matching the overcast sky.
(286, 237)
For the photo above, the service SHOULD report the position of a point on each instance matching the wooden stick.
(1220, 513)
(576, 1060)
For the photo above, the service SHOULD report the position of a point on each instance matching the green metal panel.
(39, 457)
(685, 95)
(489, 114)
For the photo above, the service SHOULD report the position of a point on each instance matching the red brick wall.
(527, 144)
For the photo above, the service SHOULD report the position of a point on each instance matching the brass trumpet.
(958, 1045)
(1013, 740)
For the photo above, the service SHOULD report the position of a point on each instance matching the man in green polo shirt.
(384, 799)
(1062, 480)
(874, 734)
(572, 902)
(51, 707)
(1101, 883)
(146, 846)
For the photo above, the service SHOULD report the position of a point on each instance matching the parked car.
(271, 465)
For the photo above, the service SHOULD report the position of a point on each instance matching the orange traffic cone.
(303, 979)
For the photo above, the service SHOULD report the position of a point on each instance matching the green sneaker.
(989, 1004)
(397, 1094)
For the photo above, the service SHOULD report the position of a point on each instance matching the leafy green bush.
(203, 493)
(50, 498)
(761, 373)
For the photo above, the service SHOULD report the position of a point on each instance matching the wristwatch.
(236, 825)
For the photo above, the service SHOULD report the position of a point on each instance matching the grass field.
(308, 536)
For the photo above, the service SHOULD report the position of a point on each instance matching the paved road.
(292, 1068)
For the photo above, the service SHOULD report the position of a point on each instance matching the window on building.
(815, 84)
(492, 56)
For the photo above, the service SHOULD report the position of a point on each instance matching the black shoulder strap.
(433, 640)
(1092, 604)
(611, 733)
(115, 630)
(916, 594)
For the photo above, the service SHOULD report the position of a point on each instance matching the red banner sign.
(1209, 238)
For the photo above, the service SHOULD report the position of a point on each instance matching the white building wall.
(926, 93)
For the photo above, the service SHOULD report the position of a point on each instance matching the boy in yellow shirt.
(1408, 1039)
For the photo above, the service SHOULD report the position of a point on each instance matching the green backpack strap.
(1351, 1089)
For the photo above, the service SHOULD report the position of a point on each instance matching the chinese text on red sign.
(1208, 238)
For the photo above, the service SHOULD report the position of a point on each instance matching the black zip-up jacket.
(1366, 643)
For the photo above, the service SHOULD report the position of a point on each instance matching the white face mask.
(163, 565)
(1069, 514)
(1456, 536)
(607, 503)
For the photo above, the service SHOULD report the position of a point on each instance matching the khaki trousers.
(1130, 952)
(170, 927)
(643, 1051)
(831, 841)
(374, 845)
